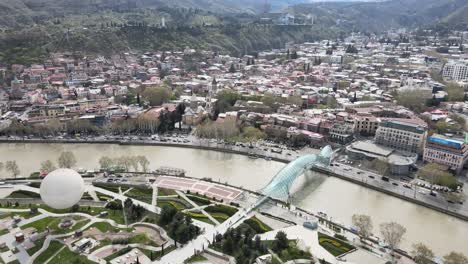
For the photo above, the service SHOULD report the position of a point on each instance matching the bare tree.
(133, 162)
(106, 162)
(12, 167)
(144, 163)
(392, 233)
(455, 258)
(422, 254)
(66, 159)
(124, 162)
(47, 166)
(364, 225)
(1, 166)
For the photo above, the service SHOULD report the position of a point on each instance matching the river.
(338, 198)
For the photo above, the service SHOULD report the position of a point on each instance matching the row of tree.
(393, 234)
(138, 163)
(10, 166)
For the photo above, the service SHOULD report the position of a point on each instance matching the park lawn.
(220, 217)
(118, 253)
(199, 200)
(21, 194)
(114, 188)
(142, 239)
(25, 215)
(258, 226)
(37, 245)
(77, 226)
(200, 217)
(195, 258)
(104, 227)
(333, 245)
(67, 256)
(166, 192)
(4, 231)
(104, 197)
(42, 224)
(49, 252)
(221, 212)
(141, 194)
(177, 205)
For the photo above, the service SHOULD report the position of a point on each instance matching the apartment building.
(445, 151)
(401, 136)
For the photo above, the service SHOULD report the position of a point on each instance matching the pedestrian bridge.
(279, 186)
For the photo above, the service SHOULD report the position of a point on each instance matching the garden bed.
(333, 245)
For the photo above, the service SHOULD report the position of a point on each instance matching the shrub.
(224, 209)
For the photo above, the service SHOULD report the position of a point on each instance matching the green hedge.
(198, 200)
(334, 246)
(258, 226)
(219, 208)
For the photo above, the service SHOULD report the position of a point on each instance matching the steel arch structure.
(278, 187)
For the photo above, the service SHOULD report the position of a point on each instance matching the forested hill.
(30, 29)
(377, 16)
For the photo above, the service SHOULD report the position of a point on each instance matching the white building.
(449, 152)
(456, 71)
(401, 136)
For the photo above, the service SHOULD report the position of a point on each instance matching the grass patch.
(195, 258)
(166, 192)
(22, 194)
(105, 227)
(42, 224)
(258, 226)
(67, 256)
(104, 198)
(334, 246)
(200, 201)
(142, 194)
(221, 212)
(200, 217)
(4, 232)
(113, 188)
(118, 253)
(37, 245)
(49, 252)
(177, 205)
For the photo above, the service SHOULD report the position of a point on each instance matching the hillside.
(378, 16)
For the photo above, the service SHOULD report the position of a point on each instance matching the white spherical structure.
(62, 188)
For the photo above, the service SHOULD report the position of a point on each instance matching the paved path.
(202, 242)
(196, 205)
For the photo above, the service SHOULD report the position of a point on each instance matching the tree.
(106, 163)
(422, 254)
(228, 245)
(167, 214)
(252, 134)
(392, 233)
(232, 69)
(1, 166)
(415, 100)
(133, 162)
(47, 166)
(455, 92)
(455, 258)
(144, 163)
(281, 242)
(157, 95)
(12, 167)
(66, 160)
(380, 166)
(436, 174)
(364, 225)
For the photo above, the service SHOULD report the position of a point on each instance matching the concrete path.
(196, 205)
